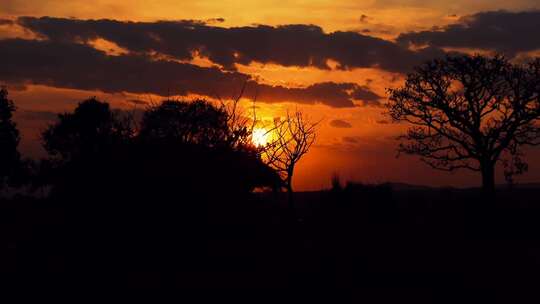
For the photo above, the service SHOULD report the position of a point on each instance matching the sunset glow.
(341, 151)
(334, 60)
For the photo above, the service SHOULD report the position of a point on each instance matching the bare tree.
(292, 139)
(292, 136)
(241, 124)
(470, 112)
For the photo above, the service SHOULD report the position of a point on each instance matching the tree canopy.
(180, 146)
(92, 128)
(197, 122)
(469, 112)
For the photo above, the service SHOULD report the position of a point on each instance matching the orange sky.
(362, 151)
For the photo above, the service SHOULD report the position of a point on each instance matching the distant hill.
(409, 187)
(523, 186)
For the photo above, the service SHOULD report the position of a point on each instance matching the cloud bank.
(287, 45)
(79, 66)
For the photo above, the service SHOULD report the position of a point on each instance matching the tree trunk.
(488, 178)
(289, 188)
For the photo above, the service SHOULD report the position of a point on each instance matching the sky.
(331, 59)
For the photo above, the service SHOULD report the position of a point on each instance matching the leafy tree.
(10, 161)
(180, 145)
(92, 128)
(197, 122)
(470, 112)
(219, 138)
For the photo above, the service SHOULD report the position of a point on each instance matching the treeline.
(191, 146)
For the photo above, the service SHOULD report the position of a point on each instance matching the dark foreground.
(362, 244)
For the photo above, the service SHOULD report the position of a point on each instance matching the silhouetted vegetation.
(292, 138)
(180, 148)
(469, 112)
(198, 123)
(91, 129)
(10, 159)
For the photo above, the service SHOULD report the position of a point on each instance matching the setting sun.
(259, 137)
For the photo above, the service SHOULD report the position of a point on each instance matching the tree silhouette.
(179, 145)
(92, 128)
(10, 161)
(218, 138)
(197, 122)
(293, 137)
(469, 112)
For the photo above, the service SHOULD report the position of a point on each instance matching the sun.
(259, 137)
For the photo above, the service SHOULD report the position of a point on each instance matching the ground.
(365, 243)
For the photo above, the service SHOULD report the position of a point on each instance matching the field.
(363, 243)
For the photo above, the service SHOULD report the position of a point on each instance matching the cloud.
(79, 66)
(351, 139)
(367, 96)
(458, 5)
(215, 20)
(36, 115)
(286, 45)
(338, 95)
(364, 18)
(6, 22)
(137, 101)
(502, 31)
(338, 123)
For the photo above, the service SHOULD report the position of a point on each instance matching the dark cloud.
(215, 20)
(287, 45)
(339, 95)
(14, 86)
(137, 102)
(503, 31)
(79, 66)
(35, 115)
(338, 123)
(6, 22)
(351, 139)
(367, 96)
